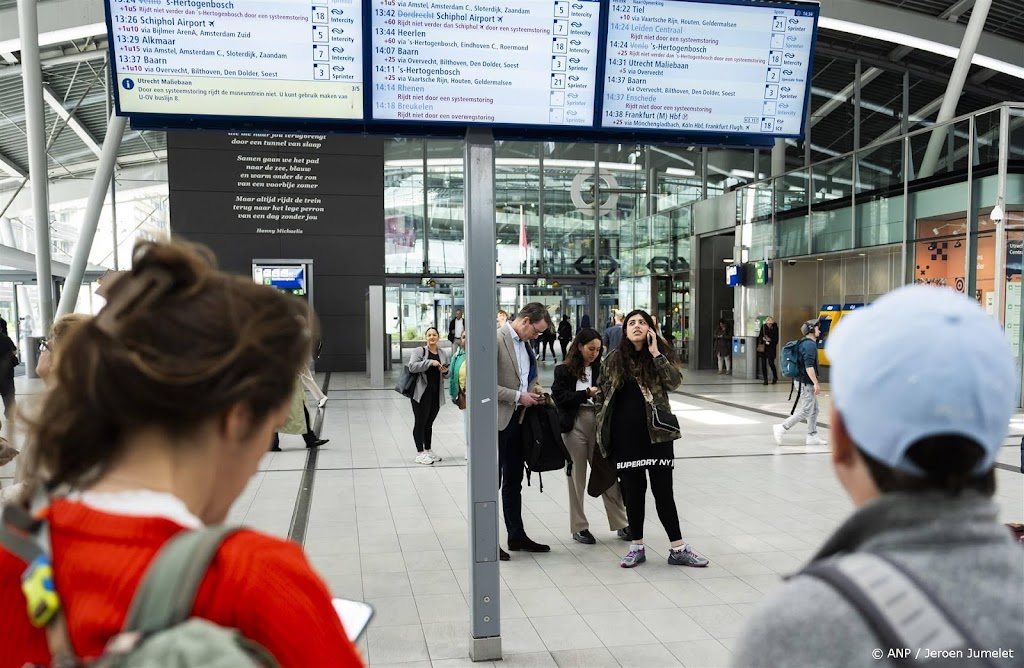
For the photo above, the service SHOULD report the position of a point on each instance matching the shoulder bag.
(406, 384)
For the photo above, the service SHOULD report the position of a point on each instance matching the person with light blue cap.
(923, 564)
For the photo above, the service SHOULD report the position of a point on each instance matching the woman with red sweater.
(162, 406)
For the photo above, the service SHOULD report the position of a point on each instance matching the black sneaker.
(624, 534)
(686, 557)
(584, 537)
(503, 555)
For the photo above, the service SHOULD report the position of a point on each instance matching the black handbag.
(406, 385)
(663, 419)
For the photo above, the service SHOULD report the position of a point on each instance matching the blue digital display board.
(712, 72)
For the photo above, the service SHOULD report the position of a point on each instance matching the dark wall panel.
(286, 196)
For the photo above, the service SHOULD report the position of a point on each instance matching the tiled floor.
(391, 532)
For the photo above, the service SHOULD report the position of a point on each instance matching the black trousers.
(634, 495)
(425, 412)
(510, 476)
(544, 345)
(7, 393)
(767, 358)
(565, 348)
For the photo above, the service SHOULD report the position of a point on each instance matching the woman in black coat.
(769, 336)
(574, 390)
(564, 335)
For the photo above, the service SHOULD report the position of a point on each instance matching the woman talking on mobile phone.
(635, 430)
(429, 363)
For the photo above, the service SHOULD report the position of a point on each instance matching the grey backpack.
(903, 614)
(159, 629)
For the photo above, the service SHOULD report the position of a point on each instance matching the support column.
(35, 126)
(999, 214)
(93, 209)
(956, 84)
(482, 399)
(779, 157)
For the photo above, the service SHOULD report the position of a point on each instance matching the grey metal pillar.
(998, 299)
(482, 398)
(971, 233)
(93, 209)
(35, 126)
(375, 310)
(596, 297)
(956, 85)
(779, 157)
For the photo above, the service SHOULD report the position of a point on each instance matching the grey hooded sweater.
(955, 547)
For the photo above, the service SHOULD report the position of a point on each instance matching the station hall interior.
(866, 201)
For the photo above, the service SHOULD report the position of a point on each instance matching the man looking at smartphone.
(517, 375)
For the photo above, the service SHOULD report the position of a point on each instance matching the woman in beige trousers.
(574, 390)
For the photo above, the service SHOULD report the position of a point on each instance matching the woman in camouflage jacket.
(636, 379)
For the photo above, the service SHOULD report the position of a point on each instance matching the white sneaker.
(432, 456)
(424, 458)
(816, 440)
(778, 430)
(322, 402)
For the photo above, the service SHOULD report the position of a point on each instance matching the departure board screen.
(527, 63)
(238, 58)
(708, 67)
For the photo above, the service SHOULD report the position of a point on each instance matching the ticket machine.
(828, 316)
(291, 276)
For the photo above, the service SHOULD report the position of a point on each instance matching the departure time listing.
(259, 58)
(694, 66)
(531, 62)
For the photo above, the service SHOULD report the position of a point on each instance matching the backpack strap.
(900, 610)
(28, 538)
(168, 590)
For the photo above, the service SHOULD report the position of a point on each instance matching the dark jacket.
(564, 331)
(567, 398)
(723, 341)
(769, 336)
(807, 352)
(451, 328)
(611, 337)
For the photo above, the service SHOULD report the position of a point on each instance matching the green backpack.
(159, 630)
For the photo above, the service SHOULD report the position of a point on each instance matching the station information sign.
(527, 63)
(240, 58)
(703, 66)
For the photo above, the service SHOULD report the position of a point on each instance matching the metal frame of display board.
(367, 125)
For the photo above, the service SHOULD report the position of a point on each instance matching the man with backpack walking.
(803, 354)
(922, 572)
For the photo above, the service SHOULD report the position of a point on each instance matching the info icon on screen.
(128, 84)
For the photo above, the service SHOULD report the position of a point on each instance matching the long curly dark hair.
(626, 360)
(574, 360)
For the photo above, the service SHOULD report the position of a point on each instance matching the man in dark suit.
(456, 328)
(517, 374)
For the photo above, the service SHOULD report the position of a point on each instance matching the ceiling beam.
(918, 30)
(918, 116)
(84, 56)
(956, 10)
(843, 96)
(952, 13)
(823, 48)
(7, 166)
(72, 120)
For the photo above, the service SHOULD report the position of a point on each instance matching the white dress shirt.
(523, 358)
